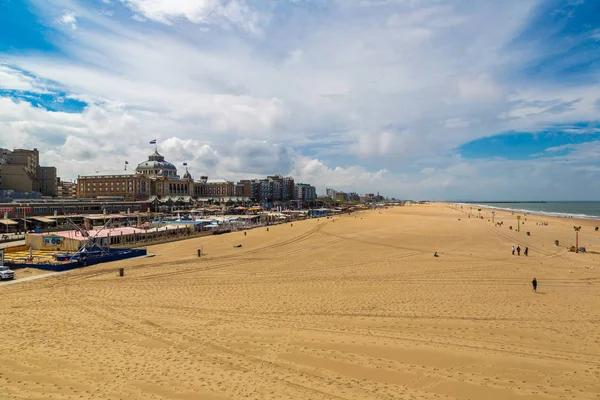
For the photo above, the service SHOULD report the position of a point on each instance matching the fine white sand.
(351, 308)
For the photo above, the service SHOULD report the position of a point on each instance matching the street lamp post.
(577, 229)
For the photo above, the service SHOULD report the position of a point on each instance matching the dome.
(187, 175)
(156, 165)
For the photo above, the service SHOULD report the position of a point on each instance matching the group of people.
(526, 252)
(518, 249)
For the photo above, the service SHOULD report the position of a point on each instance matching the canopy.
(8, 222)
(43, 219)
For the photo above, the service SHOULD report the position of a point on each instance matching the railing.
(153, 238)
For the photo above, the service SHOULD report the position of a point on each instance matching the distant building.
(278, 188)
(155, 180)
(249, 188)
(353, 197)
(65, 189)
(47, 177)
(219, 190)
(126, 184)
(274, 188)
(305, 192)
(20, 171)
(341, 196)
(331, 193)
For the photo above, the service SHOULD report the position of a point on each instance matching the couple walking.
(526, 252)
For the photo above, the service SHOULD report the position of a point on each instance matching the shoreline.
(525, 211)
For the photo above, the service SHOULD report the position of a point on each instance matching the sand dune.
(353, 309)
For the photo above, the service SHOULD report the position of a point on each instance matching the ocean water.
(574, 209)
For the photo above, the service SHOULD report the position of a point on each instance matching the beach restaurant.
(73, 240)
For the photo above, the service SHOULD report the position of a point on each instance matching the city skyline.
(433, 99)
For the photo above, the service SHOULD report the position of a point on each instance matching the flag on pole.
(185, 164)
(153, 141)
(126, 162)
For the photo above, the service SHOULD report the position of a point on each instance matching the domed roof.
(187, 174)
(156, 162)
(164, 165)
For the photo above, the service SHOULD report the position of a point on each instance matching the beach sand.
(353, 309)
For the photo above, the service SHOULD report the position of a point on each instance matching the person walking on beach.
(526, 251)
(518, 250)
(513, 250)
(534, 283)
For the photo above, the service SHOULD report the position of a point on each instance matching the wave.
(534, 212)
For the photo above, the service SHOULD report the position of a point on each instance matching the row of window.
(111, 189)
(111, 183)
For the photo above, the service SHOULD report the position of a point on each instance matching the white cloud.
(481, 87)
(13, 79)
(352, 178)
(294, 56)
(366, 96)
(235, 12)
(69, 19)
(456, 123)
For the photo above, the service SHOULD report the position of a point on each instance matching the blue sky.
(433, 99)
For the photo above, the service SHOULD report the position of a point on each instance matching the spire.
(156, 156)
(187, 174)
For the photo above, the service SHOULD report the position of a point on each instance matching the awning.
(8, 222)
(97, 217)
(43, 219)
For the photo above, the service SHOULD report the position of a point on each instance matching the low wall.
(14, 249)
(113, 255)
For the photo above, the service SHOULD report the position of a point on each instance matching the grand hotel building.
(157, 180)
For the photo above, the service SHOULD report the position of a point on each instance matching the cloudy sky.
(437, 99)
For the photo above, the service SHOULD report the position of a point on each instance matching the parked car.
(6, 273)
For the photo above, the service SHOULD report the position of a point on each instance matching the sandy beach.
(351, 308)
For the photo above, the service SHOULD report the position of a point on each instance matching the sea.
(565, 209)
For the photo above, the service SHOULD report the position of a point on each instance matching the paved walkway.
(11, 244)
(30, 278)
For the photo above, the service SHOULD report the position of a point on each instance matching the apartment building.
(66, 189)
(305, 192)
(20, 171)
(48, 183)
